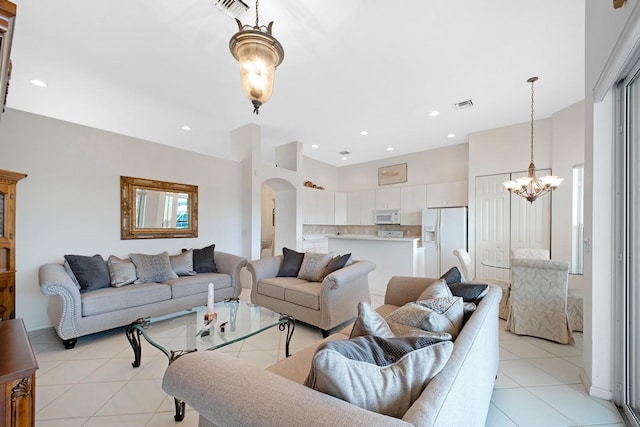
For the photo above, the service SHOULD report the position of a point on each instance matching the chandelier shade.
(258, 54)
(531, 187)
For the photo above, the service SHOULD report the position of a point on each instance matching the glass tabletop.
(188, 331)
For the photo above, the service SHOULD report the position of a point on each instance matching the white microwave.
(389, 216)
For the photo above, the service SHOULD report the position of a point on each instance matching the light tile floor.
(94, 385)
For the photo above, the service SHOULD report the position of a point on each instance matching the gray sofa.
(75, 314)
(325, 304)
(238, 394)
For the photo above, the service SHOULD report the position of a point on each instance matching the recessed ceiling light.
(343, 158)
(451, 135)
(364, 133)
(314, 146)
(434, 113)
(389, 148)
(38, 83)
(186, 127)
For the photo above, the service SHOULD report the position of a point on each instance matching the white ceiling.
(146, 68)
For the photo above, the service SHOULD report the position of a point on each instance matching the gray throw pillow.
(291, 262)
(69, 271)
(182, 264)
(121, 271)
(336, 263)
(313, 266)
(91, 272)
(383, 375)
(153, 268)
(438, 289)
(435, 315)
(204, 260)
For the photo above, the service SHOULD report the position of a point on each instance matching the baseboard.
(598, 392)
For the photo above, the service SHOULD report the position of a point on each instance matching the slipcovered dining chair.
(538, 299)
(469, 275)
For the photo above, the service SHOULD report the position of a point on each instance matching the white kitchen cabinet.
(388, 198)
(317, 206)
(360, 207)
(447, 194)
(340, 208)
(412, 200)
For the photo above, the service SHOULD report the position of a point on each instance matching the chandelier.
(258, 53)
(531, 187)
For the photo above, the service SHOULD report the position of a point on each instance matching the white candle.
(210, 300)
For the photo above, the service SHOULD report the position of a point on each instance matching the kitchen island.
(393, 256)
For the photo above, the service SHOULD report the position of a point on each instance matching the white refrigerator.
(443, 231)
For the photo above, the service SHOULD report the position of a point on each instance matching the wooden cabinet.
(18, 367)
(447, 194)
(360, 207)
(7, 19)
(8, 182)
(412, 200)
(388, 198)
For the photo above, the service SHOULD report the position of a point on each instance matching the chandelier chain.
(532, 120)
(256, 13)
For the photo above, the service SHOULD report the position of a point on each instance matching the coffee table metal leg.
(291, 326)
(180, 408)
(133, 335)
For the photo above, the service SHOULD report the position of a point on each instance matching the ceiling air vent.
(344, 153)
(464, 104)
(233, 8)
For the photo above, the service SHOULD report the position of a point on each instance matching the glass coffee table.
(187, 331)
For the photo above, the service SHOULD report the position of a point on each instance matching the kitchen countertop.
(371, 237)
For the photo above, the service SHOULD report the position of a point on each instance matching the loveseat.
(324, 301)
(133, 290)
(238, 394)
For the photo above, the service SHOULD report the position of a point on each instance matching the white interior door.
(492, 226)
(531, 222)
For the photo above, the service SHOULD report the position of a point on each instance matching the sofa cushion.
(370, 322)
(436, 315)
(336, 263)
(110, 299)
(384, 375)
(121, 271)
(275, 287)
(153, 268)
(182, 264)
(291, 262)
(306, 294)
(453, 275)
(199, 284)
(313, 266)
(204, 259)
(470, 292)
(91, 272)
(438, 289)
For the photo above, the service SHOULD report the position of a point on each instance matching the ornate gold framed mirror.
(151, 209)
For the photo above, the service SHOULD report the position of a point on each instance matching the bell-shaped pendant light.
(259, 54)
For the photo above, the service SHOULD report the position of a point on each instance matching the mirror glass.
(157, 209)
(577, 221)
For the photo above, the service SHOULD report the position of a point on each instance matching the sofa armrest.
(231, 265)
(262, 269)
(54, 280)
(341, 292)
(404, 289)
(218, 386)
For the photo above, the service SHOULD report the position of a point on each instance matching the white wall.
(70, 203)
(320, 173)
(426, 167)
(611, 39)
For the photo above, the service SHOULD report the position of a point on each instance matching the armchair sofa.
(236, 393)
(325, 304)
(75, 313)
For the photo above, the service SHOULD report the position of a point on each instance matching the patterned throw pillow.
(435, 315)
(438, 289)
(153, 268)
(121, 271)
(313, 266)
(384, 375)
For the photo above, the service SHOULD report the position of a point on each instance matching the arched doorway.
(278, 220)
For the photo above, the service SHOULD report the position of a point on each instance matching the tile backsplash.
(409, 230)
